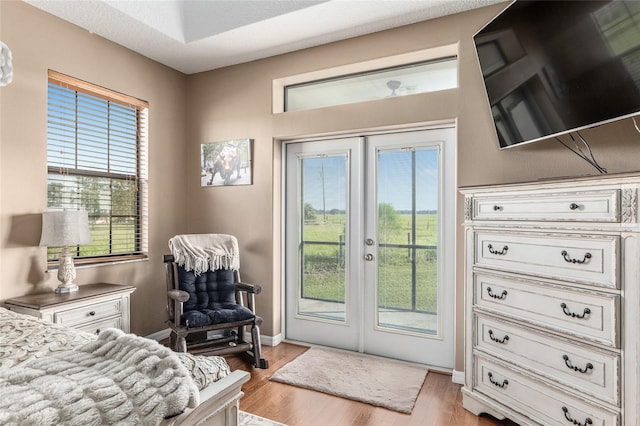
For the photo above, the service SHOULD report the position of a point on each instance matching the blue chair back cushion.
(212, 298)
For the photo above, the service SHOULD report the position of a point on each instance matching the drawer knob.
(497, 208)
(495, 339)
(496, 296)
(499, 252)
(92, 313)
(98, 331)
(574, 206)
(567, 362)
(568, 313)
(504, 383)
(587, 421)
(568, 258)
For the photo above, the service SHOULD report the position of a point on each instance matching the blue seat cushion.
(212, 298)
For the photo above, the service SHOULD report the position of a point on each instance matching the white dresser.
(552, 301)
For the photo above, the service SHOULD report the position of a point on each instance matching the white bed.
(38, 359)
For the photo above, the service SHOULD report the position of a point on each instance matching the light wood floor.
(439, 402)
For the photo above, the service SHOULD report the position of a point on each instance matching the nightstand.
(94, 307)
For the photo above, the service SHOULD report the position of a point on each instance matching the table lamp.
(63, 229)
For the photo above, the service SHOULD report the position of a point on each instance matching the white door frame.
(452, 174)
(342, 333)
(411, 346)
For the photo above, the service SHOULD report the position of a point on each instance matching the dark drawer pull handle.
(98, 331)
(497, 208)
(568, 259)
(574, 206)
(568, 313)
(587, 421)
(496, 296)
(504, 383)
(588, 367)
(495, 339)
(92, 313)
(501, 252)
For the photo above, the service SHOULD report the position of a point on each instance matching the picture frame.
(226, 163)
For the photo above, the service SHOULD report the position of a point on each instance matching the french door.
(369, 233)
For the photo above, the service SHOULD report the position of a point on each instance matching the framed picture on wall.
(226, 163)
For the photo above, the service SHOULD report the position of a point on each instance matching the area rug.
(248, 419)
(378, 381)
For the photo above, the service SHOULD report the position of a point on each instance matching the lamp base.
(66, 273)
(66, 289)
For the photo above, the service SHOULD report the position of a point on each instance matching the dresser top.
(87, 291)
(559, 182)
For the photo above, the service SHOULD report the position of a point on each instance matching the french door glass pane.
(408, 196)
(322, 284)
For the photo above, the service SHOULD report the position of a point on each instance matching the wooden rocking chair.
(207, 313)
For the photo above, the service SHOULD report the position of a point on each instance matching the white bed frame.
(219, 403)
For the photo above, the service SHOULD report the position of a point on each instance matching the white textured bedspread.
(117, 378)
(48, 372)
(23, 338)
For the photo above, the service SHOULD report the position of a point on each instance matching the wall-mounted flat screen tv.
(555, 67)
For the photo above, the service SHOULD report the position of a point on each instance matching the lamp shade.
(65, 228)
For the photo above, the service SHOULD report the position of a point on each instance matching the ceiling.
(198, 35)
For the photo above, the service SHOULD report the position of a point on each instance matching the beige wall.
(231, 103)
(236, 102)
(40, 42)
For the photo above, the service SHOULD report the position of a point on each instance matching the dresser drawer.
(583, 314)
(89, 313)
(594, 206)
(542, 403)
(576, 258)
(99, 326)
(587, 370)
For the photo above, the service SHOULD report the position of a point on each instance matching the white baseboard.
(458, 377)
(266, 340)
(271, 340)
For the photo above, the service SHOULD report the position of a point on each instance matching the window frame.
(139, 179)
(370, 85)
(433, 53)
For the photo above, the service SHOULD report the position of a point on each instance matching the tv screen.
(554, 67)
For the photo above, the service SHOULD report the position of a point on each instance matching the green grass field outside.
(324, 264)
(123, 241)
(324, 267)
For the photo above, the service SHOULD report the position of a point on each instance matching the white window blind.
(97, 161)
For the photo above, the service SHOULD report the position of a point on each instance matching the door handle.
(368, 257)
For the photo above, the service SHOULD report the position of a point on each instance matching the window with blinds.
(97, 161)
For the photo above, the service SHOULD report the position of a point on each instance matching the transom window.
(97, 161)
(402, 80)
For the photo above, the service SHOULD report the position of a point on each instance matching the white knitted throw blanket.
(205, 252)
(118, 379)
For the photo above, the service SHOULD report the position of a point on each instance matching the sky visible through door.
(324, 174)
